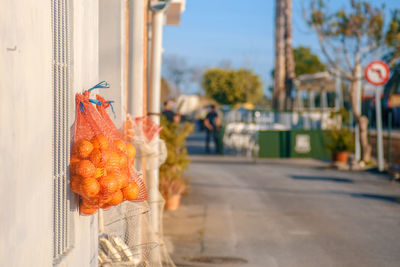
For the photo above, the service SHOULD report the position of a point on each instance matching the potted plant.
(340, 139)
(340, 143)
(172, 181)
(172, 190)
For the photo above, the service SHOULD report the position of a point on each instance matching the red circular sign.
(377, 72)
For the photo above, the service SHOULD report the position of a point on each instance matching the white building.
(50, 50)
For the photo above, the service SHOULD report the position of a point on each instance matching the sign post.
(377, 73)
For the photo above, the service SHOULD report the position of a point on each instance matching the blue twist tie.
(112, 108)
(100, 85)
(82, 108)
(95, 101)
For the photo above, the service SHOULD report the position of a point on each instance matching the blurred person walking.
(212, 123)
(169, 114)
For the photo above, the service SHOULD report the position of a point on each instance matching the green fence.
(293, 144)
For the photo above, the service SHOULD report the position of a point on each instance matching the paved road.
(285, 213)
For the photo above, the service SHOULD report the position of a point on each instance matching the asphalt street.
(283, 213)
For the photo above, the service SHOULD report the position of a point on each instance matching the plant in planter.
(172, 182)
(172, 190)
(340, 140)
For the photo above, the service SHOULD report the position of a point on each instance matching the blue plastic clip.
(100, 85)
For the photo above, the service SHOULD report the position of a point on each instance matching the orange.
(90, 203)
(113, 158)
(108, 184)
(75, 184)
(131, 150)
(123, 161)
(100, 141)
(131, 192)
(120, 145)
(90, 187)
(104, 198)
(105, 206)
(105, 155)
(96, 157)
(123, 179)
(87, 210)
(85, 168)
(100, 172)
(113, 161)
(83, 148)
(117, 198)
(74, 160)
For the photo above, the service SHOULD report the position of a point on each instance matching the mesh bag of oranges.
(142, 133)
(141, 128)
(101, 163)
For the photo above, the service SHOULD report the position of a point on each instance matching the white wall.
(85, 74)
(111, 55)
(26, 129)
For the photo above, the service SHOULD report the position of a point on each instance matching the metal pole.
(389, 137)
(339, 98)
(154, 107)
(136, 58)
(357, 129)
(379, 128)
(154, 110)
(136, 11)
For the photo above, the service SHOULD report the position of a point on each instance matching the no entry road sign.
(377, 73)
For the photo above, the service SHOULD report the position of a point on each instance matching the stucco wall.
(85, 74)
(26, 128)
(25, 133)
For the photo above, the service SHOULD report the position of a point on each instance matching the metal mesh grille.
(61, 140)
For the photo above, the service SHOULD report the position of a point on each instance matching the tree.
(172, 180)
(347, 38)
(290, 63)
(307, 62)
(231, 86)
(392, 40)
(284, 61)
(179, 74)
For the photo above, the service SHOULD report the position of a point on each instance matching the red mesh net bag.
(130, 148)
(148, 127)
(101, 164)
(141, 129)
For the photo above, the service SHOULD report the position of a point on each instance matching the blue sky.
(238, 31)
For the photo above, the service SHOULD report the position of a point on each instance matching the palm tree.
(279, 70)
(284, 60)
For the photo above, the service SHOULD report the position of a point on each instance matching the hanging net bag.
(100, 165)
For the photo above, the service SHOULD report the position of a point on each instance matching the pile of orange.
(100, 173)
